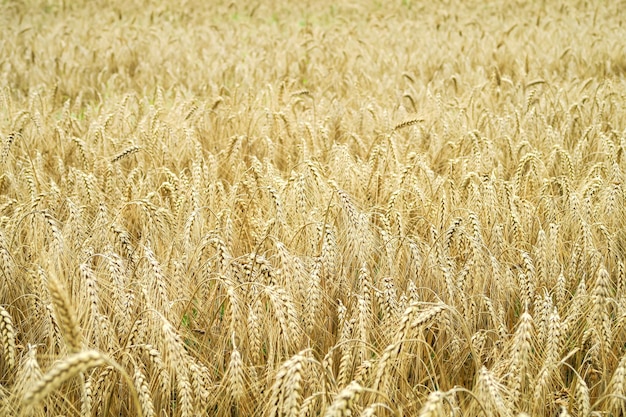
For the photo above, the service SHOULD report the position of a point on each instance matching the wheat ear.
(71, 366)
(344, 401)
(64, 314)
(7, 337)
(61, 372)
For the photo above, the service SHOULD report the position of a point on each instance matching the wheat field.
(312, 208)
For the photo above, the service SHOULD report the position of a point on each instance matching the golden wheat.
(322, 208)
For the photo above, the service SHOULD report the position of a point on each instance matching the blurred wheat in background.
(312, 209)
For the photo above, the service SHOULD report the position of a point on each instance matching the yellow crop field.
(314, 208)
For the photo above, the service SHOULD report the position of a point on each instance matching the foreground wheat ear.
(69, 367)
